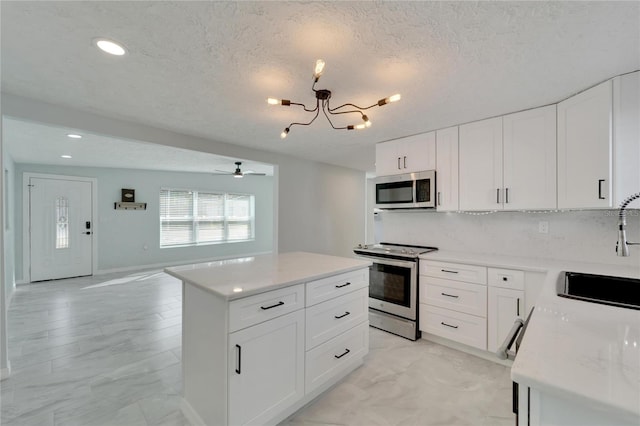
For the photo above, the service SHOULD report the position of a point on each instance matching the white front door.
(61, 231)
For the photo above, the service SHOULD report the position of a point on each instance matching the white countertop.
(237, 278)
(577, 350)
(583, 351)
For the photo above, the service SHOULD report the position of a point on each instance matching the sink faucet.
(622, 246)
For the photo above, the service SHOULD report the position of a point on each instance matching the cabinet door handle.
(498, 195)
(439, 203)
(343, 285)
(506, 195)
(346, 351)
(518, 306)
(450, 295)
(448, 271)
(264, 308)
(600, 182)
(398, 163)
(405, 161)
(342, 316)
(448, 325)
(239, 359)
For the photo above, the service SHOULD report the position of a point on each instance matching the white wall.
(122, 235)
(588, 236)
(321, 208)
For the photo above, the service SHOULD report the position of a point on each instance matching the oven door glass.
(394, 192)
(390, 283)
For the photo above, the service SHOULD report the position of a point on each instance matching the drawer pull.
(450, 295)
(238, 369)
(343, 285)
(280, 303)
(342, 316)
(448, 271)
(346, 351)
(448, 325)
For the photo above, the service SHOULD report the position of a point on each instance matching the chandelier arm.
(329, 120)
(305, 107)
(353, 105)
(317, 110)
(331, 110)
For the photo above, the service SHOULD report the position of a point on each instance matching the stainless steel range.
(393, 286)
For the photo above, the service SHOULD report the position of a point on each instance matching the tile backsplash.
(573, 235)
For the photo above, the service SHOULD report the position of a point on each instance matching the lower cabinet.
(470, 304)
(266, 368)
(256, 360)
(505, 304)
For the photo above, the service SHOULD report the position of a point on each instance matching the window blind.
(197, 217)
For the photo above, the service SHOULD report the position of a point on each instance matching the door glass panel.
(396, 192)
(390, 284)
(62, 223)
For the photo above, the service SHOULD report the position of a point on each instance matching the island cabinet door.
(266, 369)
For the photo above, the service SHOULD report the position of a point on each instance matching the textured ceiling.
(206, 68)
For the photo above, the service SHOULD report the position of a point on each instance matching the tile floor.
(105, 350)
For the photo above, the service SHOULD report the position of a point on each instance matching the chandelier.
(323, 97)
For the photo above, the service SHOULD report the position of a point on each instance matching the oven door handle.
(503, 351)
(392, 262)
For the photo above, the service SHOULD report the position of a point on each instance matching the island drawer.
(464, 328)
(328, 288)
(454, 271)
(457, 295)
(506, 278)
(265, 306)
(325, 362)
(328, 319)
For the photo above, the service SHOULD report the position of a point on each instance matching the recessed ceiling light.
(65, 156)
(74, 136)
(110, 46)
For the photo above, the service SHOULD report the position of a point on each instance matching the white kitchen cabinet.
(509, 162)
(266, 368)
(480, 166)
(453, 302)
(529, 159)
(447, 169)
(626, 136)
(255, 356)
(406, 155)
(584, 149)
(505, 304)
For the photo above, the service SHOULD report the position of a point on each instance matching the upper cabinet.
(480, 173)
(529, 159)
(584, 149)
(626, 136)
(406, 155)
(509, 162)
(447, 169)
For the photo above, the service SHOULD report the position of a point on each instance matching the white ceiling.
(35, 143)
(206, 68)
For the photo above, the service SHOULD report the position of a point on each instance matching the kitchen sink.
(615, 291)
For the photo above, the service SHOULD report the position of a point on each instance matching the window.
(199, 217)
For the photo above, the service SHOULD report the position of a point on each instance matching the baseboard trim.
(5, 372)
(191, 414)
(489, 356)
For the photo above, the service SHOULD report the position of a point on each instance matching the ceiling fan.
(239, 173)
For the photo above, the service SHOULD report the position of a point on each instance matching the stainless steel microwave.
(407, 191)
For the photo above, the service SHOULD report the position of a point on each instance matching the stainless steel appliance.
(407, 191)
(393, 286)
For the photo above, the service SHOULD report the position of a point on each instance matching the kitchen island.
(262, 336)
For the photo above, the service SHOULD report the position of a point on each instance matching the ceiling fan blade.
(254, 174)
(222, 172)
